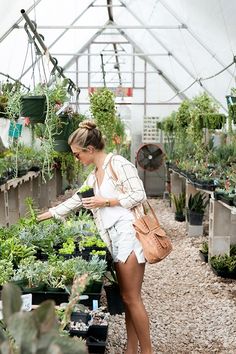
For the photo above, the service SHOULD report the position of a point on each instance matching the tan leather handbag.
(155, 243)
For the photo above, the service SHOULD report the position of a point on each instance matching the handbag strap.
(116, 179)
(112, 171)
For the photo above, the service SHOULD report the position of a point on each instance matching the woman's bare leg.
(132, 339)
(130, 276)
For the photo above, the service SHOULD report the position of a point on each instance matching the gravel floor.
(191, 309)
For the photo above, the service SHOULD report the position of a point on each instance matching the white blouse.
(110, 215)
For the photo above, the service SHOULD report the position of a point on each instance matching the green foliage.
(68, 246)
(35, 332)
(102, 106)
(179, 202)
(84, 188)
(6, 271)
(204, 247)
(91, 241)
(69, 167)
(224, 263)
(13, 106)
(183, 116)
(197, 202)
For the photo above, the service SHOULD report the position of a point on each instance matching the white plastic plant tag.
(26, 302)
(95, 305)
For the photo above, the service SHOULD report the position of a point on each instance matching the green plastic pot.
(34, 107)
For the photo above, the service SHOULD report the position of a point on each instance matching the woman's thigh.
(130, 277)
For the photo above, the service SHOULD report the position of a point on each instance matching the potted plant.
(34, 107)
(115, 303)
(6, 271)
(85, 191)
(39, 328)
(224, 265)
(196, 207)
(102, 106)
(204, 251)
(179, 202)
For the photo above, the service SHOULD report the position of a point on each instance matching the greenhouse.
(118, 177)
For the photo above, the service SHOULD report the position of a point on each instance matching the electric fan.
(150, 157)
(149, 162)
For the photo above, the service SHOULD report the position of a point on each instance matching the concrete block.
(52, 188)
(24, 191)
(219, 245)
(44, 199)
(195, 230)
(3, 218)
(12, 205)
(36, 190)
(221, 219)
(177, 183)
(58, 182)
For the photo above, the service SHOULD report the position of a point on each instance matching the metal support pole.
(89, 67)
(145, 89)
(109, 26)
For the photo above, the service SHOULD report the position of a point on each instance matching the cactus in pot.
(35, 332)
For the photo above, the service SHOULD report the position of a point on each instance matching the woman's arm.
(44, 216)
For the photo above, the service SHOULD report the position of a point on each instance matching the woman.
(118, 189)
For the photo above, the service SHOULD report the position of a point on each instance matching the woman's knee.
(131, 299)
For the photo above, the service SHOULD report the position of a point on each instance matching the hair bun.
(87, 124)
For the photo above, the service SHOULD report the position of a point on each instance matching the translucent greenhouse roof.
(181, 47)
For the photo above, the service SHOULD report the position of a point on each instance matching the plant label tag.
(95, 305)
(26, 302)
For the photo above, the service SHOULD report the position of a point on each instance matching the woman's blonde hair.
(87, 134)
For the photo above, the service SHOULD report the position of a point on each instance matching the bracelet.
(107, 203)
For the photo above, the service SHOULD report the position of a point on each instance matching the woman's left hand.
(93, 202)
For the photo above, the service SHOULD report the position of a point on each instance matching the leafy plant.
(6, 271)
(197, 202)
(204, 248)
(102, 106)
(68, 246)
(84, 188)
(224, 263)
(179, 202)
(92, 241)
(35, 332)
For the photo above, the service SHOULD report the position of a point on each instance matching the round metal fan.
(150, 157)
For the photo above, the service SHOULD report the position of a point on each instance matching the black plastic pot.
(226, 199)
(61, 136)
(34, 107)
(86, 194)
(115, 304)
(3, 180)
(194, 218)
(179, 217)
(34, 168)
(79, 317)
(224, 273)
(40, 296)
(203, 256)
(97, 339)
(93, 287)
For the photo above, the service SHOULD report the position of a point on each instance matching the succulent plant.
(35, 332)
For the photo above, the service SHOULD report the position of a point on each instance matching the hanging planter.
(212, 120)
(34, 107)
(64, 129)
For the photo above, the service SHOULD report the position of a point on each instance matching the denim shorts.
(124, 241)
